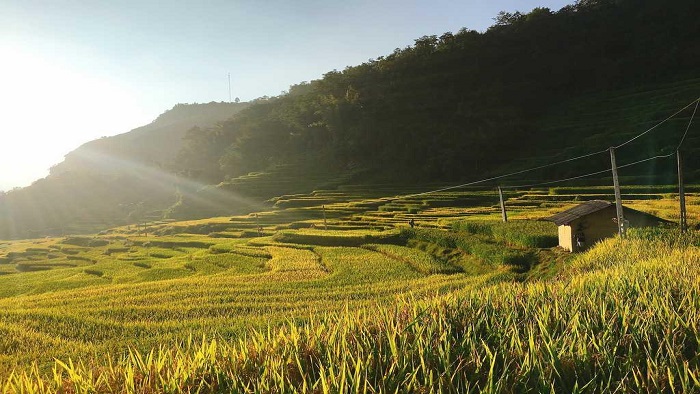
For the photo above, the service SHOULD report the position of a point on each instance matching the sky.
(73, 71)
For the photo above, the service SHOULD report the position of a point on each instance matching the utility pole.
(681, 193)
(325, 225)
(504, 215)
(229, 87)
(257, 224)
(618, 197)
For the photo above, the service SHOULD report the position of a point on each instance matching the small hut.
(587, 223)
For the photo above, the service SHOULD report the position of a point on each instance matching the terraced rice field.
(131, 289)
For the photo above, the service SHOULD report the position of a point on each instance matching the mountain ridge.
(155, 143)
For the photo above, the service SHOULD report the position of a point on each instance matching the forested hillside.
(455, 106)
(532, 89)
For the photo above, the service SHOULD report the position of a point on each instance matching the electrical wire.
(590, 173)
(696, 102)
(557, 181)
(501, 176)
(689, 123)
(660, 123)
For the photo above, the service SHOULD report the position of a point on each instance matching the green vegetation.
(317, 276)
(527, 234)
(460, 302)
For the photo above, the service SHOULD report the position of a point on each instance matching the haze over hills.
(155, 144)
(104, 181)
(533, 89)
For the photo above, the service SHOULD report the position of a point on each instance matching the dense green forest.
(532, 89)
(454, 106)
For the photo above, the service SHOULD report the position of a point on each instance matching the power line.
(689, 123)
(559, 180)
(504, 176)
(696, 102)
(660, 123)
(590, 173)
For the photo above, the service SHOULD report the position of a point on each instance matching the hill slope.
(105, 181)
(156, 144)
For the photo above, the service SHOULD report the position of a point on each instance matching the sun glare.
(50, 108)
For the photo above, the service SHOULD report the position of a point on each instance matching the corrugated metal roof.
(578, 211)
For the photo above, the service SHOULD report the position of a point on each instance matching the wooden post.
(618, 197)
(257, 224)
(681, 194)
(504, 215)
(325, 224)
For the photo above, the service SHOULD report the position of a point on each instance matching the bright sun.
(49, 108)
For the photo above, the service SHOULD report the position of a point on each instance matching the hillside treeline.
(461, 104)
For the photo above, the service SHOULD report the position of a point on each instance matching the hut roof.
(578, 211)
